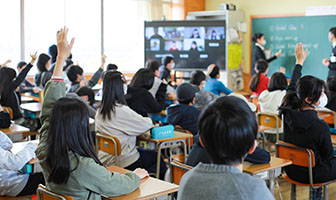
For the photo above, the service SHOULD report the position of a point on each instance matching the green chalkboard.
(285, 32)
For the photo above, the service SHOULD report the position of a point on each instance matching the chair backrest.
(299, 156)
(179, 128)
(327, 116)
(269, 120)
(44, 194)
(9, 111)
(108, 143)
(178, 170)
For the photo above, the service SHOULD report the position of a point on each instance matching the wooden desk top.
(32, 107)
(149, 187)
(25, 99)
(177, 136)
(91, 121)
(15, 128)
(333, 139)
(275, 163)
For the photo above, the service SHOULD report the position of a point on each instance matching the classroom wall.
(265, 7)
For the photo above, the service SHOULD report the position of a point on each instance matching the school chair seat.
(9, 111)
(44, 194)
(301, 157)
(178, 169)
(269, 123)
(108, 144)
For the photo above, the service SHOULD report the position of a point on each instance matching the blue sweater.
(215, 86)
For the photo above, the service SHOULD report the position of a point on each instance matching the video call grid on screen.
(192, 44)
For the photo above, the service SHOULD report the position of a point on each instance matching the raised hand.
(63, 47)
(103, 59)
(325, 62)
(277, 54)
(33, 57)
(5, 63)
(300, 54)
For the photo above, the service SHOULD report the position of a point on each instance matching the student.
(77, 79)
(86, 95)
(44, 75)
(259, 81)
(66, 150)
(213, 85)
(302, 126)
(13, 182)
(140, 99)
(168, 65)
(184, 114)
(202, 97)
(271, 99)
(258, 51)
(26, 85)
(8, 84)
(331, 83)
(331, 62)
(115, 118)
(153, 65)
(228, 131)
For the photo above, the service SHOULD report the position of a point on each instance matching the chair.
(178, 169)
(9, 111)
(328, 116)
(44, 194)
(301, 157)
(268, 121)
(189, 142)
(109, 144)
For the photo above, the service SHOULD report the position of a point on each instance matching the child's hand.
(5, 63)
(63, 47)
(300, 54)
(33, 57)
(36, 90)
(141, 173)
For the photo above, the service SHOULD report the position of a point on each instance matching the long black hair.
(68, 131)
(7, 75)
(113, 92)
(278, 81)
(143, 78)
(42, 61)
(308, 87)
(261, 66)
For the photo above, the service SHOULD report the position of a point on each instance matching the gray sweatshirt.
(210, 181)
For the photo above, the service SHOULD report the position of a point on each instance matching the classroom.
(168, 99)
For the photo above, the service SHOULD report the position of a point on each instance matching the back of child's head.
(331, 83)
(214, 72)
(113, 92)
(112, 67)
(69, 131)
(166, 60)
(261, 67)
(7, 75)
(197, 77)
(308, 88)
(257, 36)
(143, 78)
(86, 91)
(228, 129)
(153, 65)
(21, 64)
(73, 71)
(185, 93)
(42, 61)
(278, 81)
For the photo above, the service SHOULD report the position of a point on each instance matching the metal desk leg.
(271, 178)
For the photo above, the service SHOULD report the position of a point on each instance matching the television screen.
(192, 44)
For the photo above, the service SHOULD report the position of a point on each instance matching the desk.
(19, 146)
(333, 139)
(25, 99)
(274, 164)
(177, 141)
(149, 187)
(15, 128)
(32, 109)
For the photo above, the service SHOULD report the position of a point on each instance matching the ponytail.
(255, 81)
(261, 66)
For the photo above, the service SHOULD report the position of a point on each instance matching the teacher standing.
(258, 51)
(331, 62)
